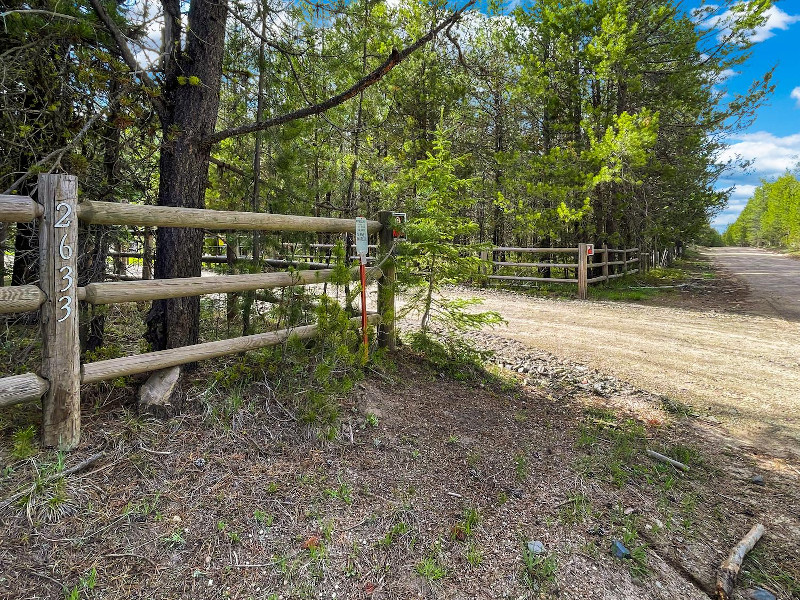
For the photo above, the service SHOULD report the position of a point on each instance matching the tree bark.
(190, 115)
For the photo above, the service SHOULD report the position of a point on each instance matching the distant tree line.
(771, 217)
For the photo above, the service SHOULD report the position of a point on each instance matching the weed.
(465, 528)
(431, 569)
(143, 507)
(87, 583)
(760, 569)
(452, 355)
(175, 539)
(272, 487)
(344, 492)
(263, 518)
(587, 437)
(24, 442)
(576, 509)
(675, 407)
(473, 458)
(540, 569)
(502, 498)
(452, 440)
(521, 465)
(397, 531)
(474, 555)
(371, 420)
(627, 525)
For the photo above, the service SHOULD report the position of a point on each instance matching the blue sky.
(773, 140)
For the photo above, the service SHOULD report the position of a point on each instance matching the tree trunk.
(191, 114)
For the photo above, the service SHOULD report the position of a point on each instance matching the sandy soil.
(729, 359)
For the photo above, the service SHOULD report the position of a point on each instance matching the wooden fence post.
(624, 261)
(388, 283)
(583, 263)
(58, 261)
(605, 262)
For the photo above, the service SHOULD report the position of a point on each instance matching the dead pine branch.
(729, 570)
(668, 460)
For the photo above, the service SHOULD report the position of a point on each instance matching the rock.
(759, 594)
(618, 550)
(200, 463)
(758, 479)
(535, 547)
(156, 395)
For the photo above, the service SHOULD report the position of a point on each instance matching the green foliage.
(539, 569)
(24, 442)
(438, 251)
(771, 217)
(450, 354)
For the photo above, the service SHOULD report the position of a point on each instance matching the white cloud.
(795, 95)
(775, 19)
(770, 155)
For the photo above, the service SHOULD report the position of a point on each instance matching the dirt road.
(744, 369)
(772, 278)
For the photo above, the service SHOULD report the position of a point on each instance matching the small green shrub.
(24, 442)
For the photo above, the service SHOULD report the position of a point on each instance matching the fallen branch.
(667, 459)
(728, 570)
(79, 467)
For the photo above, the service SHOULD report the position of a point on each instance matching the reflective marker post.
(362, 247)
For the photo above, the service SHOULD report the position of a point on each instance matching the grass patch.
(539, 569)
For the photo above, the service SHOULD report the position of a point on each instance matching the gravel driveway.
(774, 278)
(743, 369)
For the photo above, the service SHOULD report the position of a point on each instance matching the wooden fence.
(58, 382)
(587, 268)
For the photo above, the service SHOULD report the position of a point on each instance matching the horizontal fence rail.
(19, 209)
(57, 295)
(161, 289)
(582, 267)
(20, 298)
(110, 213)
(154, 361)
(22, 388)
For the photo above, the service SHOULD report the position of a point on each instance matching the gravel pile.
(542, 369)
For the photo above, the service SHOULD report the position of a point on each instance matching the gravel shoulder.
(722, 358)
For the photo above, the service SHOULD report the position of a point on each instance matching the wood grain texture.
(20, 298)
(729, 570)
(535, 250)
(22, 388)
(550, 279)
(110, 213)
(118, 292)
(153, 361)
(583, 261)
(58, 256)
(19, 209)
(537, 264)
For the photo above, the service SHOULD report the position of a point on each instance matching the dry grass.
(433, 496)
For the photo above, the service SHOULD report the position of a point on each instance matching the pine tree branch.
(36, 11)
(395, 58)
(127, 55)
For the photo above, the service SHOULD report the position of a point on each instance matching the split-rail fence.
(57, 295)
(587, 268)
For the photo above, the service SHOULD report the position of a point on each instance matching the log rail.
(58, 384)
(583, 268)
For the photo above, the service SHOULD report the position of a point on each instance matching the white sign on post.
(589, 249)
(362, 238)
